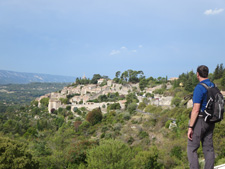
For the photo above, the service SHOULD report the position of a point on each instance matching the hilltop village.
(83, 95)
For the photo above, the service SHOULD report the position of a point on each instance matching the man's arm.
(194, 115)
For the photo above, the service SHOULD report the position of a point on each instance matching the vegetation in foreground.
(30, 137)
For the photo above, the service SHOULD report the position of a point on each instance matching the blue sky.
(71, 37)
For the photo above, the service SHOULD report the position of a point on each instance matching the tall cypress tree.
(221, 70)
(216, 72)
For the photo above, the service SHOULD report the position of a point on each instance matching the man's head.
(203, 71)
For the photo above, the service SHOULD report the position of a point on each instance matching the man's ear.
(198, 76)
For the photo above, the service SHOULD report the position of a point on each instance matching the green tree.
(31, 132)
(110, 154)
(176, 151)
(78, 151)
(131, 98)
(147, 159)
(221, 69)
(141, 106)
(94, 116)
(132, 107)
(45, 101)
(143, 83)
(14, 154)
(124, 76)
(118, 74)
(216, 73)
(64, 100)
(95, 78)
(114, 106)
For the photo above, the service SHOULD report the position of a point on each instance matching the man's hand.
(190, 133)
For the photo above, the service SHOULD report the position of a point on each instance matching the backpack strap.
(207, 88)
(205, 85)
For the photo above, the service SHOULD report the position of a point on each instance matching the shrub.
(113, 154)
(168, 123)
(114, 106)
(143, 134)
(15, 155)
(64, 100)
(130, 140)
(126, 116)
(78, 151)
(85, 125)
(176, 151)
(94, 116)
(45, 101)
(159, 91)
(132, 107)
(68, 107)
(75, 109)
(176, 101)
(147, 159)
(77, 124)
(141, 106)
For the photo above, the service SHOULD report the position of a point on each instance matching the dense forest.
(155, 137)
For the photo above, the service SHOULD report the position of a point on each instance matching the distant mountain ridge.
(7, 77)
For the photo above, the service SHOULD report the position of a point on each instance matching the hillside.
(128, 122)
(11, 77)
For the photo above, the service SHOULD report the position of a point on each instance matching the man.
(198, 129)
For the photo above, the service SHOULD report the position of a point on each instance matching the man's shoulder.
(199, 87)
(207, 82)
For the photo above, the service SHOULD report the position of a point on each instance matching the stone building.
(54, 103)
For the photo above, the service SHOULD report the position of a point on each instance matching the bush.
(147, 159)
(132, 107)
(94, 116)
(176, 101)
(85, 125)
(110, 154)
(141, 106)
(64, 100)
(159, 91)
(15, 155)
(45, 101)
(168, 123)
(114, 106)
(68, 107)
(176, 151)
(75, 109)
(77, 124)
(78, 151)
(126, 116)
(143, 134)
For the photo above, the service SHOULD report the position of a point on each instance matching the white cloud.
(114, 52)
(213, 12)
(123, 50)
(140, 46)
